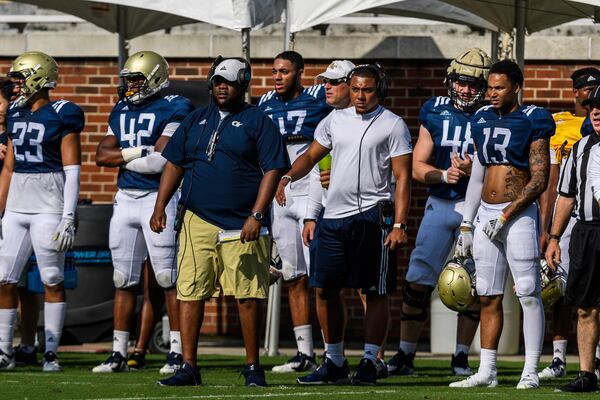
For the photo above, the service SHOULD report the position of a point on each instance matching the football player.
(500, 225)
(442, 161)
(140, 126)
(296, 111)
(568, 131)
(39, 188)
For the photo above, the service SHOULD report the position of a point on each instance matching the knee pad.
(52, 276)
(122, 281)
(415, 298)
(164, 278)
(525, 286)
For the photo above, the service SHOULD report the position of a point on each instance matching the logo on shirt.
(203, 122)
(268, 109)
(481, 121)
(125, 108)
(15, 115)
(237, 124)
(445, 112)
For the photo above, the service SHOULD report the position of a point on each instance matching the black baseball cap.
(593, 98)
(586, 77)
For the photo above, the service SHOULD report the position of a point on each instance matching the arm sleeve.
(71, 190)
(543, 124)
(72, 117)
(272, 153)
(473, 196)
(174, 151)
(400, 142)
(315, 194)
(323, 133)
(567, 183)
(151, 164)
(594, 175)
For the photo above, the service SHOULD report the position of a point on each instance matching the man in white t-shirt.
(364, 221)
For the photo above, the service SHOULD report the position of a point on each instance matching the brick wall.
(91, 83)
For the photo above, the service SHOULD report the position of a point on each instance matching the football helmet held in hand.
(456, 284)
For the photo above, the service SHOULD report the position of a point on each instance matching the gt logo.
(237, 124)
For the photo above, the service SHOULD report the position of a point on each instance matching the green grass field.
(222, 380)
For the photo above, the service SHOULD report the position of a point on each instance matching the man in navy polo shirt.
(229, 156)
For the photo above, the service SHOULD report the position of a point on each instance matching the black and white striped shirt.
(574, 180)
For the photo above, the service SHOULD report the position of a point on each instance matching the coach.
(229, 156)
(576, 198)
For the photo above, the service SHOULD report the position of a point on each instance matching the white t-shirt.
(361, 174)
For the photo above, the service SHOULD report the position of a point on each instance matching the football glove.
(464, 243)
(64, 235)
(493, 226)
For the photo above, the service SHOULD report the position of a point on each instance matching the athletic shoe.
(584, 382)
(460, 365)
(401, 364)
(475, 381)
(556, 369)
(185, 376)
(254, 375)
(366, 373)
(137, 360)
(327, 373)
(7, 361)
(115, 363)
(50, 362)
(174, 362)
(381, 368)
(597, 368)
(25, 357)
(299, 363)
(529, 381)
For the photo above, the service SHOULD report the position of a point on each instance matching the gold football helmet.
(472, 66)
(456, 285)
(553, 284)
(35, 71)
(144, 74)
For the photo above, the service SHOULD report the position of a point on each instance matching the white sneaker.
(299, 363)
(174, 362)
(529, 381)
(7, 361)
(476, 381)
(50, 362)
(115, 363)
(556, 369)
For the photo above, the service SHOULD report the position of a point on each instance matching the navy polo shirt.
(223, 190)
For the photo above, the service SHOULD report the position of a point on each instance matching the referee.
(576, 198)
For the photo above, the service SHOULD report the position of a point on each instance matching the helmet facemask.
(471, 102)
(29, 83)
(553, 284)
(144, 74)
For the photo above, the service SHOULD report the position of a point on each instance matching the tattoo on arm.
(539, 169)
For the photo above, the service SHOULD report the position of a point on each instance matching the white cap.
(338, 69)
(229, 69)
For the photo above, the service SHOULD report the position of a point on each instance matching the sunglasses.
(334, 82)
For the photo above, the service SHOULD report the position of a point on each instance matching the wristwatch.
(399, 225)
(258, 216)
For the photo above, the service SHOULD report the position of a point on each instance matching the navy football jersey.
(506, 139)
(297, 118)
(142, 125)
(586, 127)
(451, 132)
(37, 136)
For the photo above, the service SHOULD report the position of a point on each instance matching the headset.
(243, 77)
(382, 83)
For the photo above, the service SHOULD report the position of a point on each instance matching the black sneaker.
(299, 363)
(584, 382)
(255, 376)
(381, 368)
(366, 373)
(185, 376)
(137, 360)
(460, 365)
(327, 373)
(597, 368)
(22, 356)
(401, 364)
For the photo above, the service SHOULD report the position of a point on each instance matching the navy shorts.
(349, 253)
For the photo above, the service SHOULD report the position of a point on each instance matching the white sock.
(560, 349)
(175, 339)
(7, 322)
(598, 350)
(461, 348)
(54, 319)
(335, 352)
(533, 332)
(408, 347)
(371, 351)
(304, 339)
(120, 342)
(487, 366)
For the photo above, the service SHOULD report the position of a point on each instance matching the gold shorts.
(207, 268)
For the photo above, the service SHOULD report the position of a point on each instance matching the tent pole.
(521, 9)
(246, 55)
(123, 44)
(494, 45)
(288, 36)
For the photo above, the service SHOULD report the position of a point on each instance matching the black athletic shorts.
(583, 282)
